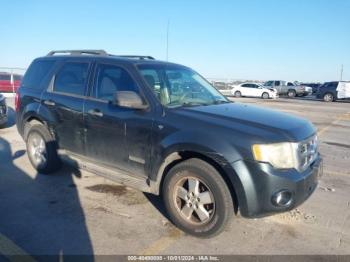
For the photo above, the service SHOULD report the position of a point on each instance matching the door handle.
(95, 112)
(49, 102)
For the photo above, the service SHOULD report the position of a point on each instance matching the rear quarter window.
(35, 74)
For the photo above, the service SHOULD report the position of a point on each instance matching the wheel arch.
(40, 115)
(215, 160)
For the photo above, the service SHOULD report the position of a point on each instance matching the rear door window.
(35, 74)
(277, 83)
(72, 78)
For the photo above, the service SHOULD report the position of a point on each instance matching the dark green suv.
(162, 128)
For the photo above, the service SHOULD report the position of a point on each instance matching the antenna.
(341, 72)
(167, 41)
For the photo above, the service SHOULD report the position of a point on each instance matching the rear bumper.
(261, 183)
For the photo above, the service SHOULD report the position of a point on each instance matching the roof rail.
(78, 52)
(140, 57)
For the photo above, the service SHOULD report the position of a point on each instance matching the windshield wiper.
(217, 102)
(189, 104)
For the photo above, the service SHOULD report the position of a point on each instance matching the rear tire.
(238, 94)
(291, 93)
(42, 149)
(328, 97)
(197, 198)
(265, 95)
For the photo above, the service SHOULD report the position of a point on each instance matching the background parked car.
(224, 88)
(9, 83)
(3, 111)
(314, 86)
(331, 91)
(288, 88)
(253, 90)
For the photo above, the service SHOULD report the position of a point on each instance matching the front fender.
(214, 148)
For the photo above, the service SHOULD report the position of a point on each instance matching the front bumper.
(274, 95)
(261, 182)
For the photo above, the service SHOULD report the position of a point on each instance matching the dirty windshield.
(178, 86)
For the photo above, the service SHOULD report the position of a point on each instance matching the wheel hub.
(194, 200)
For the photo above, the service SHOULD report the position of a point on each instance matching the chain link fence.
(10, 78)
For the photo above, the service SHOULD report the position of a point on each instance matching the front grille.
(307, 152)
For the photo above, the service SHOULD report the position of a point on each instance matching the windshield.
(177, 86)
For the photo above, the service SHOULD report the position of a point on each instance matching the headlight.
(279, 155)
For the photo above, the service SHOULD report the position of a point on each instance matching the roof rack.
(97, 52)
(78, 52)
(140, 57)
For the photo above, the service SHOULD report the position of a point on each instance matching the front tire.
(42, 149)
(291, 93)
(328, 97)
(238, 94)
(197, 198)
(265, 95)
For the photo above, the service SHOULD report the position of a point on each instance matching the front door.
(117, 137)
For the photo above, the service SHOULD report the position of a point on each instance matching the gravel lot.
(75, 212)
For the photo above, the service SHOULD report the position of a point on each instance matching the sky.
(303, 40)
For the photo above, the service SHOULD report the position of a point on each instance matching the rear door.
(64, 99)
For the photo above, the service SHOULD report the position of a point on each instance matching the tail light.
(17, 102)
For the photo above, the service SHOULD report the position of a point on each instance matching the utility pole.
(341, 72)
(167, 41)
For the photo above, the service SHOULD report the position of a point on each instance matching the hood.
(258, 121)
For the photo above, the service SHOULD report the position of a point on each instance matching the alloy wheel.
(194, 200)
(37, 149)
(328, 97)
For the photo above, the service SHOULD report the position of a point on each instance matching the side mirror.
(129, 99)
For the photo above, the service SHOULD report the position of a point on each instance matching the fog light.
(282, 198)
